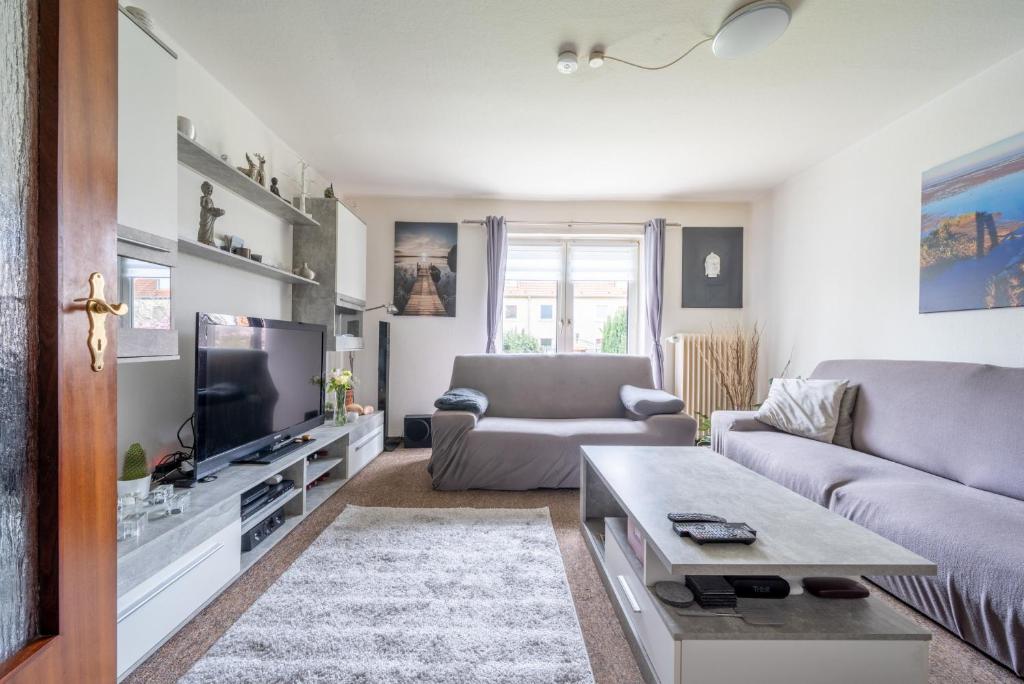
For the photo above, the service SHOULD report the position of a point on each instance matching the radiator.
(694, 381)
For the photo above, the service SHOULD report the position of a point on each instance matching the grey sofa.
(937, 467)
(542, 408)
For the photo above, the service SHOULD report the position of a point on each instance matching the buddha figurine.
(208, 214)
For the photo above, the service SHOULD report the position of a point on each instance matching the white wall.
(154, 398)
(843, 241)
(423, 348)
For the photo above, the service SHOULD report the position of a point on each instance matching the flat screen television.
(257, 385)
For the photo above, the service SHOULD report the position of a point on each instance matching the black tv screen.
(257, 383)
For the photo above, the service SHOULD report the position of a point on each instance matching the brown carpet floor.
(400, 479)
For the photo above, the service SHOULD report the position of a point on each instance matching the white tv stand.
(182, 562)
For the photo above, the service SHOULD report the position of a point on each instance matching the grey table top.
(795, 536)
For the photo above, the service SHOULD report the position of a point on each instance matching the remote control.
(717, 533)
(694, 517)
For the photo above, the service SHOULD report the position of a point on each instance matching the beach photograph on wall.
(426, 256)
(972, 230)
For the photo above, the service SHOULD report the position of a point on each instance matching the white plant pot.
(139, 487)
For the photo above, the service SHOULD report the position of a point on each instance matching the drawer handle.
(629, 594)
(163, 586)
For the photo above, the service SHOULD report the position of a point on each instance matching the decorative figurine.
(329, 191)
(261, 176)
(712, 265)
(250, 170)
(273, 186)
(305, 271)
(208, 214)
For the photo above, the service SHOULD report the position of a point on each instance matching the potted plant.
(339, 383)
(135, 477)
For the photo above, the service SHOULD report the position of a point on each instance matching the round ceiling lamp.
(751, 29)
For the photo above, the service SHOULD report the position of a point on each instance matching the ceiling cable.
(663, 66)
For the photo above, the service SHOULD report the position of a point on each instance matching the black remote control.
(717, 533)
(695, 517)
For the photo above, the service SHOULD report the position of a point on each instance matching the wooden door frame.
(77, 409)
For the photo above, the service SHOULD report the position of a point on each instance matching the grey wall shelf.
(206, 163)
(198, 249)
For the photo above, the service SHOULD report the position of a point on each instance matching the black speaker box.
(383, 363)
(417, 434)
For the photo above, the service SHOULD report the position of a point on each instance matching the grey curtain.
(497, 248)
(654, 270)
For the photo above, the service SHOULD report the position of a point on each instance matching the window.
(579, 295)
(511, 311)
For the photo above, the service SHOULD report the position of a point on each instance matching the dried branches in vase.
(732, 357)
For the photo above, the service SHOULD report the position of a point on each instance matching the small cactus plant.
(135, 466)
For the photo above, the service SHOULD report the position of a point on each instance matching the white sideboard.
(182, 562)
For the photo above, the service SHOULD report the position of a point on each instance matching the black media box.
(263, 529)
(759, 586)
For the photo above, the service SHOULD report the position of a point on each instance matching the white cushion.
(808, 408)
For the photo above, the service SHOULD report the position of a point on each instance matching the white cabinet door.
(147, 145)
(351, 255)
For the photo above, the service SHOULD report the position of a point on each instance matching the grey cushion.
(463, 399)
(957, 420)
(552, 385)
(649, 402)
(975, 539)
(844, 428)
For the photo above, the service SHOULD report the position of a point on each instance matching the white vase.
(139, 487)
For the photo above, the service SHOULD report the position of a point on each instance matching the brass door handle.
(97, 307)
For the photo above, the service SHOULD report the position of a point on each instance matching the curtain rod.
(480, 222)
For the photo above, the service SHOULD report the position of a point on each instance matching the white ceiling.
(461, 97)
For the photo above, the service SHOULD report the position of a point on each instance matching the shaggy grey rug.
(422, 595)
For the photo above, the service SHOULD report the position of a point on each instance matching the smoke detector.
(567, 62)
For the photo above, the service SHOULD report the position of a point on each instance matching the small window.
(547, 312)
(546, 344)
(511, 311)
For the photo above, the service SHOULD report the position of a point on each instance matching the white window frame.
(564, 334)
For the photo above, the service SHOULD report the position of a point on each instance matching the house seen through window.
(570, 296)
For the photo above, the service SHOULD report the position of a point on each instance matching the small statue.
(208, 214)
(273, 186)
(250, 170)
(261, 176)
(329, 192)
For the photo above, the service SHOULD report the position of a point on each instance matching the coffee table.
(821, 640)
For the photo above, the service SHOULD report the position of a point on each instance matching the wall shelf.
(198, 249)
(206, 163)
